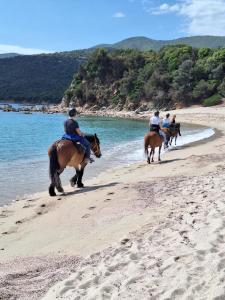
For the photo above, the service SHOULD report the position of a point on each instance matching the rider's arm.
(79, 132)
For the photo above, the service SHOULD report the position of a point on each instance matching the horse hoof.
(80, 185)
(148, 161)
(60, 189)
(51, 191)
(72, 183)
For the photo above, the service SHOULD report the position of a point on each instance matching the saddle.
(80, 148)
(154, 128)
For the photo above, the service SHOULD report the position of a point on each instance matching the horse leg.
(73, 180)
(153, 153)
(51, 190)
(159, 159)
(54, 172)
(58, 183)
(175, 140)
(148, 157)
(79, 178)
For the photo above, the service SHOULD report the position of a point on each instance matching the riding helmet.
(72, 112)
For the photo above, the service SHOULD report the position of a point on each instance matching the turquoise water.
(24, 141)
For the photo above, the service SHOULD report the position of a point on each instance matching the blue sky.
(34, 26)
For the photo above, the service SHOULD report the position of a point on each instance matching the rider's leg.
(87, 146)
(164, 138)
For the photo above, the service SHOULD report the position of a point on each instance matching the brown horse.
(152, 140)
(64, 153)
(174, 131)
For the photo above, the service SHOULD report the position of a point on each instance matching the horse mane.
(92, 137)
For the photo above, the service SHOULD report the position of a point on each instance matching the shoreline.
(177, 205)
(201, 140)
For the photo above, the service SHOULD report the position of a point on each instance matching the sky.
(37, 26)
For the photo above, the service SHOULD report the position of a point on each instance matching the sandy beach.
(136, 232)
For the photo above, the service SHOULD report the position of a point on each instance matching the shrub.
(213, 100)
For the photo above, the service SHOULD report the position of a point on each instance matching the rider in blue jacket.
(73, 133)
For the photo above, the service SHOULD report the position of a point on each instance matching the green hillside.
(128, 79)
(45, 77)
(38, 78)
(143, 43)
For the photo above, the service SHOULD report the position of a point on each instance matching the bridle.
(95, 146)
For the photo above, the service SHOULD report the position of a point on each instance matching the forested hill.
(143, 43)
(128, 79)
(44, 78)
(38, 78)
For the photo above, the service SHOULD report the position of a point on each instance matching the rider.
(173, 122)
(73, 133)
(155, 125)
(166, 121)
(166, 124)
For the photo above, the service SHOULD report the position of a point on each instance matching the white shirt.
(155, 120)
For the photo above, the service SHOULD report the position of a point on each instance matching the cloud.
(119, 14)
(166, 8)
(202, 17)
(21, 50)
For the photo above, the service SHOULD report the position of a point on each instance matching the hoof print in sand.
(124, 241)
(19, 222)
(85, 216)
(110, 193)
(91, 207)
(107, 200)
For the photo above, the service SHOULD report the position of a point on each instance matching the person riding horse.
(73, 133)
(166, 123)
(155, 124)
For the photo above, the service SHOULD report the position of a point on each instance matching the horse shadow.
(171, 160)
(90, 189)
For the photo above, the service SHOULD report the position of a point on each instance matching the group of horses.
(65, 153)
(153, 140)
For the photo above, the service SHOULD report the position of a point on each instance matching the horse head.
(95, 144)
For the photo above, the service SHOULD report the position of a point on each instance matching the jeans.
(87, 146)
(164, 136)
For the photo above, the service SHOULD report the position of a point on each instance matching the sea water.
(25, 138)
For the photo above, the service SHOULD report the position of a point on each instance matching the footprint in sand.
(19, 222)
(85, 216)
(26, 206)
(9, 232)
(3, 216)
(110, 193)
(91, 207)
(107, 200)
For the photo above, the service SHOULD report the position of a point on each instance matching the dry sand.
(140, 232)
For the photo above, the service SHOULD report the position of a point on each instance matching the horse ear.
(95, 135)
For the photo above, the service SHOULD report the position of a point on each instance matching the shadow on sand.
(90, 188)
(171, 160)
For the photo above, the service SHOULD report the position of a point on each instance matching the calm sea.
(24, 141)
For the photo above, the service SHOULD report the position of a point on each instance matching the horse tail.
(53, 163)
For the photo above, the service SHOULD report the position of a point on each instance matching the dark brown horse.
(152, 140)
(174, 131)
(64, 153)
